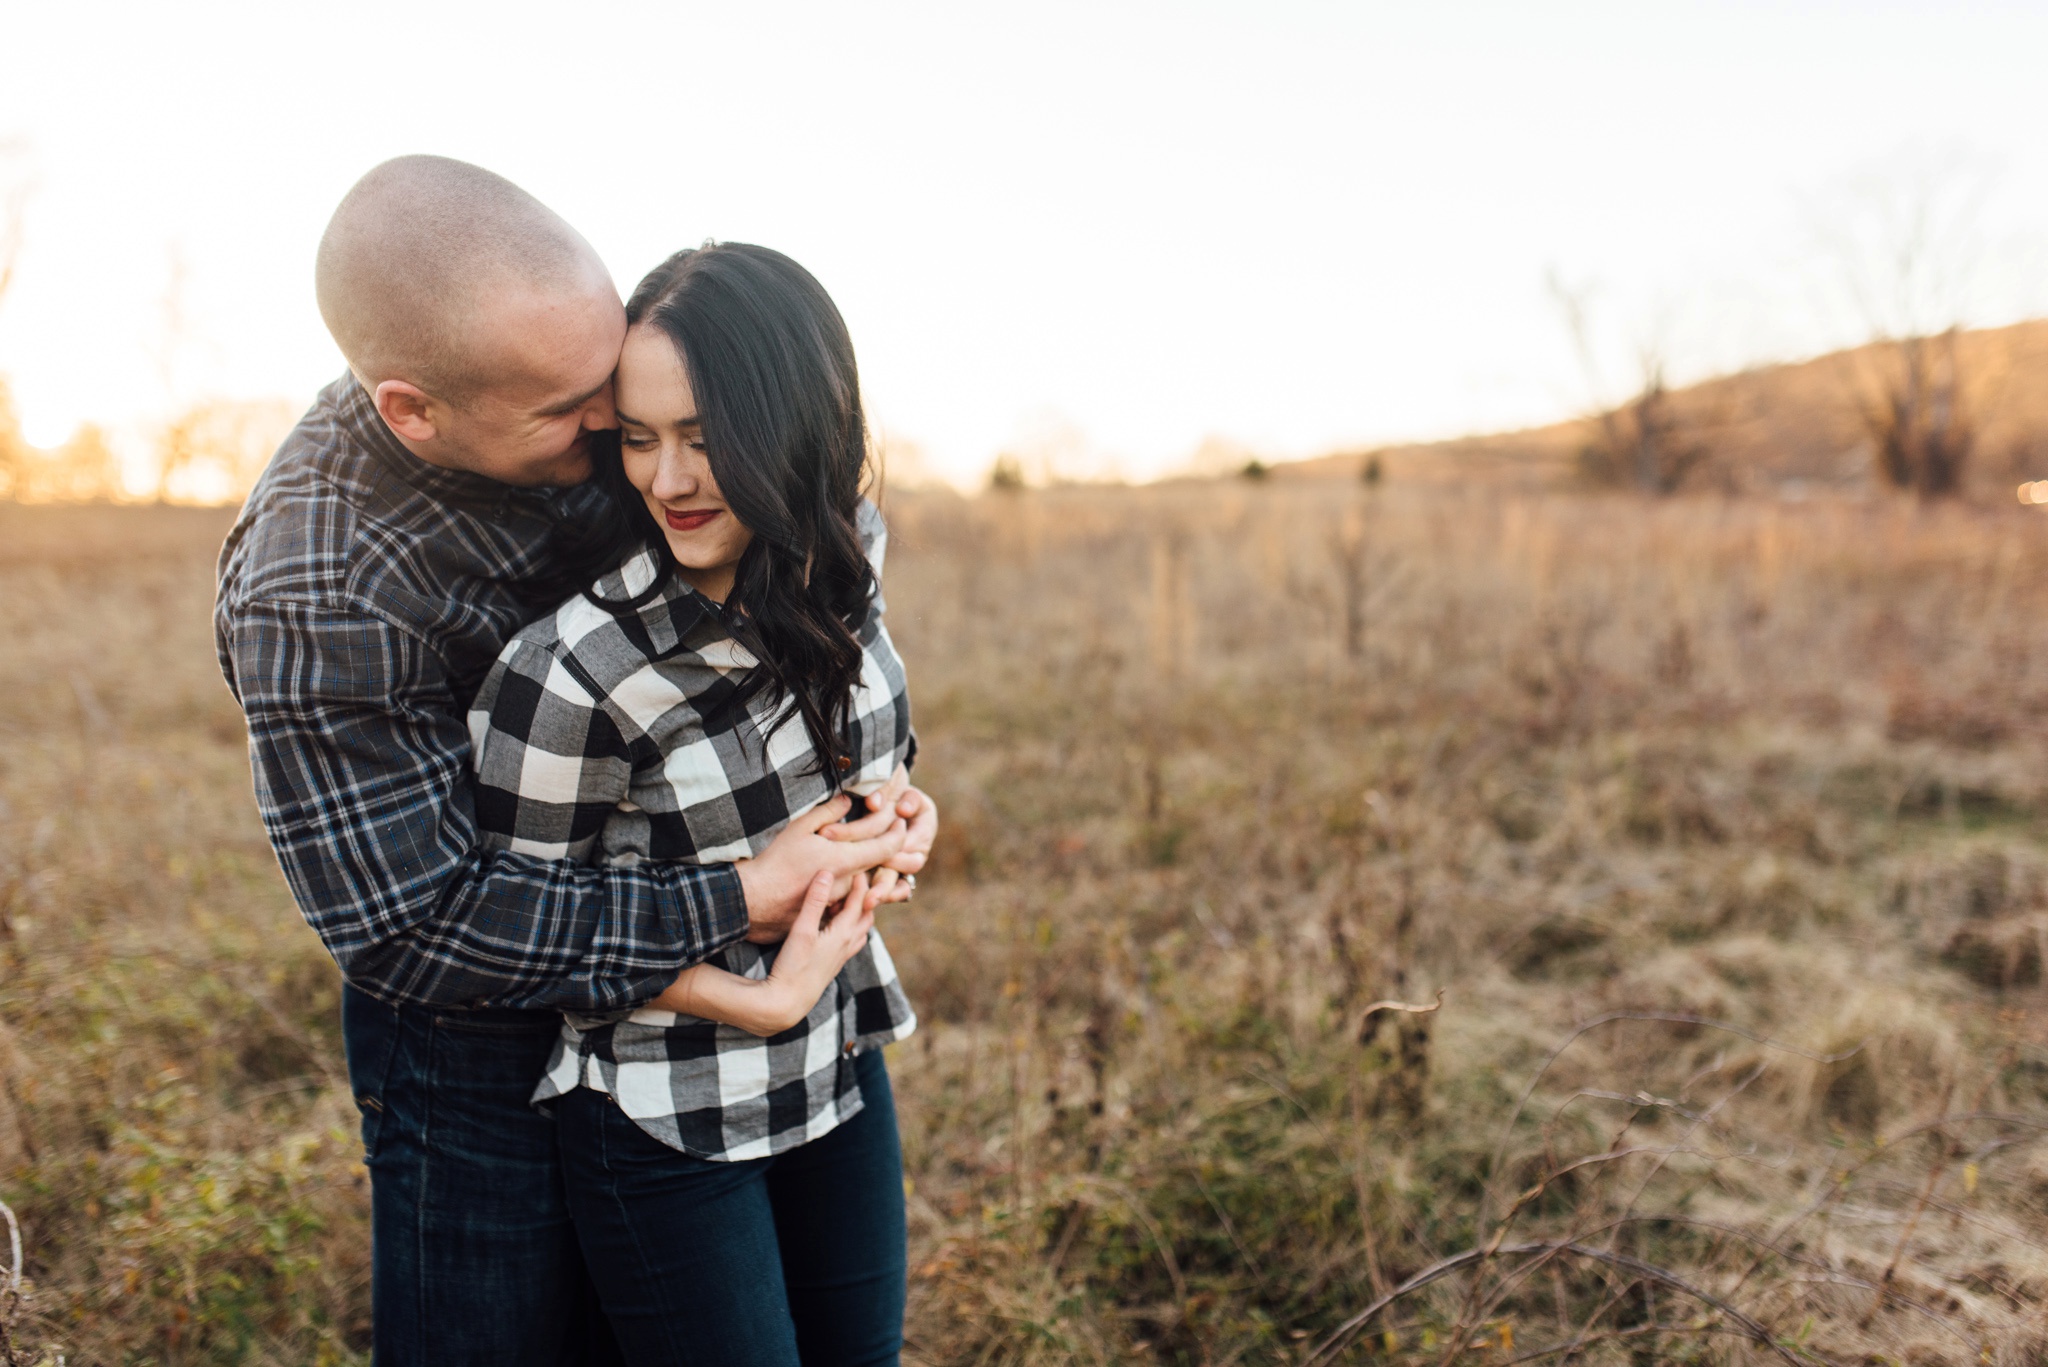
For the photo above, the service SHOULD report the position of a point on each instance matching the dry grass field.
(1721, 827)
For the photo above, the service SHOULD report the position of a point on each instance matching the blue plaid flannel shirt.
(363, 596)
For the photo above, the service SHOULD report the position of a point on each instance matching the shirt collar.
(674, 613)
(355, 411)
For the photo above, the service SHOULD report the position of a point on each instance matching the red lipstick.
(690, 520)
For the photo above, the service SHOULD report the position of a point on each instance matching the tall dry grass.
(1719, 827)
(175, 1132)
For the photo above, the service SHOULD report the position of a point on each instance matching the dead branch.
(1251, 1263)
(13, 1248)
(1824, 1273)
(1749, 1328)
(1975, 1219)
(1666, 1017)
(10, 1293)
(1697, 1125)
(1640, 1100)
(1612, 1335)
(1944, 1154)
(1136, 1206)
(1612, 1227)
(1366, 1023)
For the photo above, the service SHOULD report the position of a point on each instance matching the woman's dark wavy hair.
(771, 366)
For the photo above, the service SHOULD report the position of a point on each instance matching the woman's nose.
(673, 478)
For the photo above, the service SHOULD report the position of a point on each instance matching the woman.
(730, 1149)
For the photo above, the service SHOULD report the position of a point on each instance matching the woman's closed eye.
(642, 441)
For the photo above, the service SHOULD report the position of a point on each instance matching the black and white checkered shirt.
(610, 737)
(363, 595)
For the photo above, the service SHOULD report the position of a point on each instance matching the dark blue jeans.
(473, 1257)
(775, 1262)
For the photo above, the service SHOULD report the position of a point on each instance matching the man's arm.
(360, 755)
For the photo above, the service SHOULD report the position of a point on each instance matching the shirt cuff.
(724, 909)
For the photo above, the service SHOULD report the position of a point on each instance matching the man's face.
(554, 353)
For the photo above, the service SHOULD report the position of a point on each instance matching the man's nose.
(598, 414)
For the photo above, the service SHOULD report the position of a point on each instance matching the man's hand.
(775, 881)
(916, 807)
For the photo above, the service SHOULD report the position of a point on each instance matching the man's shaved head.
(417, 252)
(482, 326)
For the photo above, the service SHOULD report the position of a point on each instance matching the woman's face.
(662, 445)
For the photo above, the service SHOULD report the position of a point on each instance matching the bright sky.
(1110, 228)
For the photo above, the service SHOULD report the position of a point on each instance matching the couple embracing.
(578, 734)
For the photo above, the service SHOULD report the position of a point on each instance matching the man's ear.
(407, 410)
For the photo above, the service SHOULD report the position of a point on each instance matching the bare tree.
(14, 452)
(1905, 251)
(1916, 415)
(215, 448)
(1642, 442)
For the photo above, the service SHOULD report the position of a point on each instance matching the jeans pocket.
(371, 1033)
(372, 1110)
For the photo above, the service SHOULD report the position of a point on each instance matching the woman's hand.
(896, 880)
(804, 967)
(817, 948)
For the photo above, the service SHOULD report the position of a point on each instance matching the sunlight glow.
(48, 428)
(1284, 229)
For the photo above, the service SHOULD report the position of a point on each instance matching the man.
(401, 534)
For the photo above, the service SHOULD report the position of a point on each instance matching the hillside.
(1771, 428)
